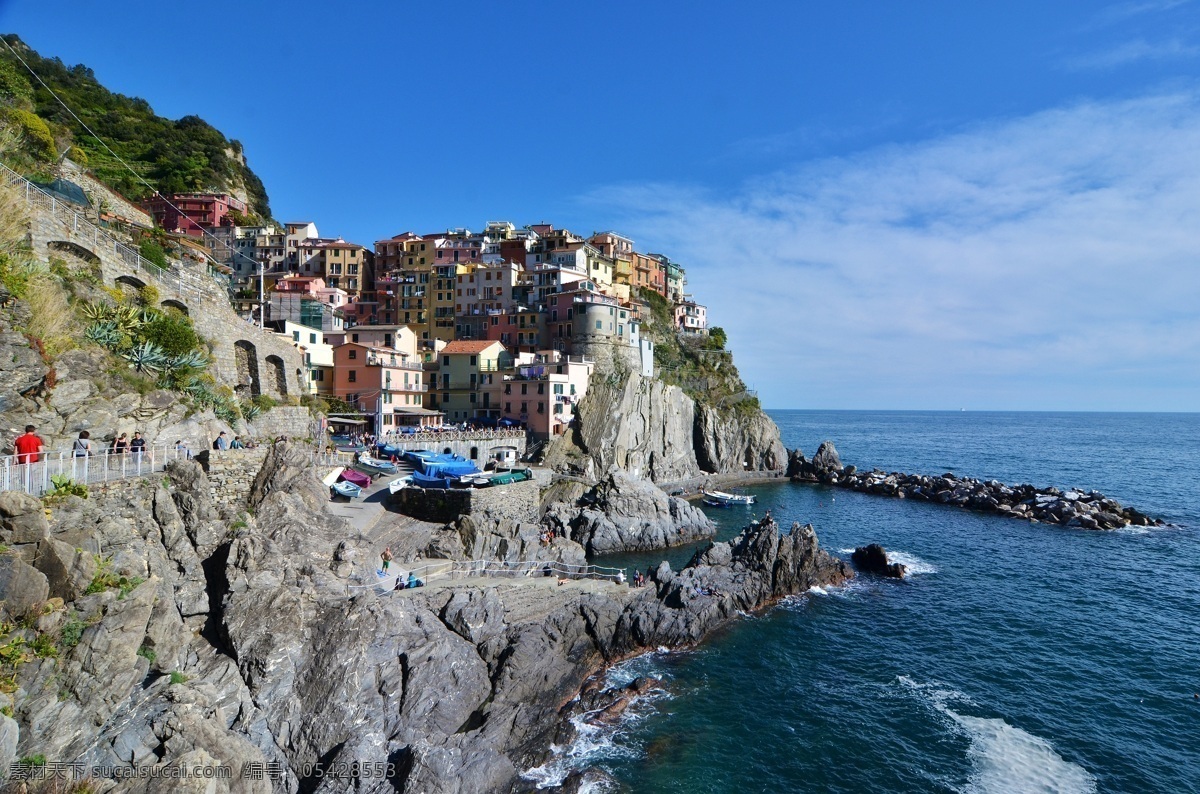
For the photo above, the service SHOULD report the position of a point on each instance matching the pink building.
(191, 213)
(383, 382)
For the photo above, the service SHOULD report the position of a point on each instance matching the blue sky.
(989, 205)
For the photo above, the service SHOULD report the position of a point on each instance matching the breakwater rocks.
(1072, 508)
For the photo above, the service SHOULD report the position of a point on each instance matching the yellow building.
(467, 381)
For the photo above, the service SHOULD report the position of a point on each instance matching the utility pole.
(262, 308)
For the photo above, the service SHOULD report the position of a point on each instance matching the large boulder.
(22, 519)
(873, 559)
(23, 588)
(622, 513)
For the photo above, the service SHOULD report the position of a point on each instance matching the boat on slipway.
(724, 499)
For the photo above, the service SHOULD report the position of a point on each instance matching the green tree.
(37, 140)
(153, 253)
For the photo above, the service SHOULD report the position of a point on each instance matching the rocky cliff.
(622, 513)
(656, 431)
(151, 627)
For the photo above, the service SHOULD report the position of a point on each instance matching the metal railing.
(33, 473)
(460, 570)
(173, 278)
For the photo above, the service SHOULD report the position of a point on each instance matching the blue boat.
(419, 455)
(429, 481)
(346, 489)
(388, 450)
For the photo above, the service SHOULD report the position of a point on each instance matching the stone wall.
(230, 474)
(284, 420)
(520, 501)
(271, 365)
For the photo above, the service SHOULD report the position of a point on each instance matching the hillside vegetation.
(700, 365)
(173, 156)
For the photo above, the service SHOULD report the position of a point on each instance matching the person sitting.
(413, 581)
(237, 443)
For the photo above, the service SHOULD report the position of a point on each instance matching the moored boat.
(399, 484)
(355, 477)
(346, 489)
(376, 465)
(723, 499)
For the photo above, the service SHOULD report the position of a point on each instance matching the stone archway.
(246, 357)
(74, 249)
(178, 305)
(474, 453)
(277, 375)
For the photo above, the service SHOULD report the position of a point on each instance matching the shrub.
(72, 631)
(148, 296)
(147, 654)
(153, 253)
(44, 647)
(173, 335)
(178, 677)
(64, 486)
(33, 760)
(37, 140)
(15, 88)
(264, 402)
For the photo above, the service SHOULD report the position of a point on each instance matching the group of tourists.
(402, 582)
(30, 447)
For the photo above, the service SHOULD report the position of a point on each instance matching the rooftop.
(469, 346)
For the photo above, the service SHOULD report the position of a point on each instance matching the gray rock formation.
(730, 442)
(258, 644)
(626, 514)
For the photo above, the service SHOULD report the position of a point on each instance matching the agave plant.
(127, 318)
(191, 361)
(104, 334)
(146, 357)
(250, 411)
(96, 312)
(226, 411)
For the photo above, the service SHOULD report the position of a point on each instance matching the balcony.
(406, 387)
(393, 363)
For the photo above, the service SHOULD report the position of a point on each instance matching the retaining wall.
(520, 501)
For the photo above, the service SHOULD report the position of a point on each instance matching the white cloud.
(1133, 51)
(1045, 262)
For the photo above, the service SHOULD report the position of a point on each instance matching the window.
(352, 354)
(474, 360)
(508, 408)
(524, 408)
(558, 388)
(524, 388)
(353, 376)
(445, 361)
(541, 408)
(446, 397)
(312, 339)
(353, 337)
(598, 325)
(473, 396)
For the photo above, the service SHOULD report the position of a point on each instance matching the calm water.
(1018, 657)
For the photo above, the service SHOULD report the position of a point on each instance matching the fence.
(460, 570)
(24, 473)
(174, 278)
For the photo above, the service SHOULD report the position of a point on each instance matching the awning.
(340, 420)
(417, 412)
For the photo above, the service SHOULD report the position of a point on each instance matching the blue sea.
(1016, 658)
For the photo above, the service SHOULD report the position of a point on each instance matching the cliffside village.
(496, 328)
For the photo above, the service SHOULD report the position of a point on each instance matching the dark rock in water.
(873, 559)
(826, 460)
(796, 463)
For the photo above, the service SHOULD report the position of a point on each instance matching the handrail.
(33, 476)
(497, 569)
(80, 225)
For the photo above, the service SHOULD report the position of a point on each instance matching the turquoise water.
(1017, 658)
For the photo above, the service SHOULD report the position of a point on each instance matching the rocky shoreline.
(1070, 508)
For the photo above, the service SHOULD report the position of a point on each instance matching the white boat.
(399, 484)
(722, 499)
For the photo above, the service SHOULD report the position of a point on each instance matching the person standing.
(138, 445)
(386, 556)
(181, 450)
(120, 445)
(222, 443)
(29, 447)
(83, 445)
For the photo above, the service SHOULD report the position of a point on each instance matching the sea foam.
(1004, 759)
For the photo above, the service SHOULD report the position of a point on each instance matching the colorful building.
(691, 317)
(193, 213)
(383, 382)
(467, 380)
(542, 391)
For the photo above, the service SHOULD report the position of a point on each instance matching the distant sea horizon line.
(978, 411)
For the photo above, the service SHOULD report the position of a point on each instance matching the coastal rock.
(732, 442)
(1073, 507)
(626, 514)
(22, 587)
(873, 559)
